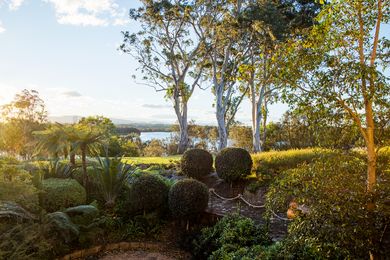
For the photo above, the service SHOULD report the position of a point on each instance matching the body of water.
(147, 136)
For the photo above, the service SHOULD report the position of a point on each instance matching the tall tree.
(227, 48)
(268, 24)
(86, 140)
(25, 114)
(340, 64)
(169, 52)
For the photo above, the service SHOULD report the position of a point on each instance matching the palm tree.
(53, 140)
(112, 175)
(87, 140)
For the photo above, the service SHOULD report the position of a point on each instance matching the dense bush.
(233, 164)
(233, 237)
(111, 177)
(61, 193)
(274, 162)
(155, 148)
(16, 185)
(196, 163)
(188, 197)
(337, 224)
(148, 193)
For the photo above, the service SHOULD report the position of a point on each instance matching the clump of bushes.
(337, 224)
(196, 163)
(275, 162)
(147, 193)
(16, 185)
(233, 164)
(233, 237)
(187, 198)
(61, 193)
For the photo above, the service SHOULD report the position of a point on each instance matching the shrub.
(148, 193)
(112, 175)
(154, 149)
(16, 186)
(233, 164)
(196, 163)
(337, 224)
(274, 162)
(233, 237)
(188, 197)
(61, 193)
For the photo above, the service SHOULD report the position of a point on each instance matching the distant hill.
(120, 123)
(75, 119)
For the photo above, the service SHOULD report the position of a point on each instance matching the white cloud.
(2, 29)
(15, 4)
(88, 12)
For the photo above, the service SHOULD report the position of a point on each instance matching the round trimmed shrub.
(188, 197)
(61, 193)
(196, 163)
(148, 193)
(233, 164)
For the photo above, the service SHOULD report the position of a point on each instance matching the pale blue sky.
(67, 50)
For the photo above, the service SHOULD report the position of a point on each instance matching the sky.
(67, 50)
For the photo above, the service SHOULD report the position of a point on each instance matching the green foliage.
(58, 169)
(12, 211)
(233, 237)
(148, 193)
(154, 149)
(30, 241)
(16, 186)
(196, 163)
(164, 161)
(241, 137)
(275, 162)
(130, 148)
(188, 198)
(337, 224)
(233, 164)
(112, 176)
(62, 225)
(61, 193)
(24, 115)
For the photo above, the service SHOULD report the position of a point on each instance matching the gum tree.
(340, 64)
(227, 48)
(268, 25)
(169, 53)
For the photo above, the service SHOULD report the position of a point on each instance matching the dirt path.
(144, 255)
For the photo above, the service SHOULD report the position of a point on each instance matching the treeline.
(142, 127)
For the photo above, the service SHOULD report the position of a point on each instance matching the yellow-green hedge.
(274, 162)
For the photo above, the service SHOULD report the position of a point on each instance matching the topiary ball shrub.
(233, 164)
(196, 163)
(61, 193)
(188, 197)
(147, 193)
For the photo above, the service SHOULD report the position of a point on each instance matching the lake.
(147, 136)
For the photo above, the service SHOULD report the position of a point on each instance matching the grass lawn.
(152, 160)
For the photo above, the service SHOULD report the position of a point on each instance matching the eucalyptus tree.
(268, 24)
(22, 116)
(223, 36)
(169, 52)
(340, 64)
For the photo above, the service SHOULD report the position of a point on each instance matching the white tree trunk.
(257, 100)
(221, 120)
(181, 114)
